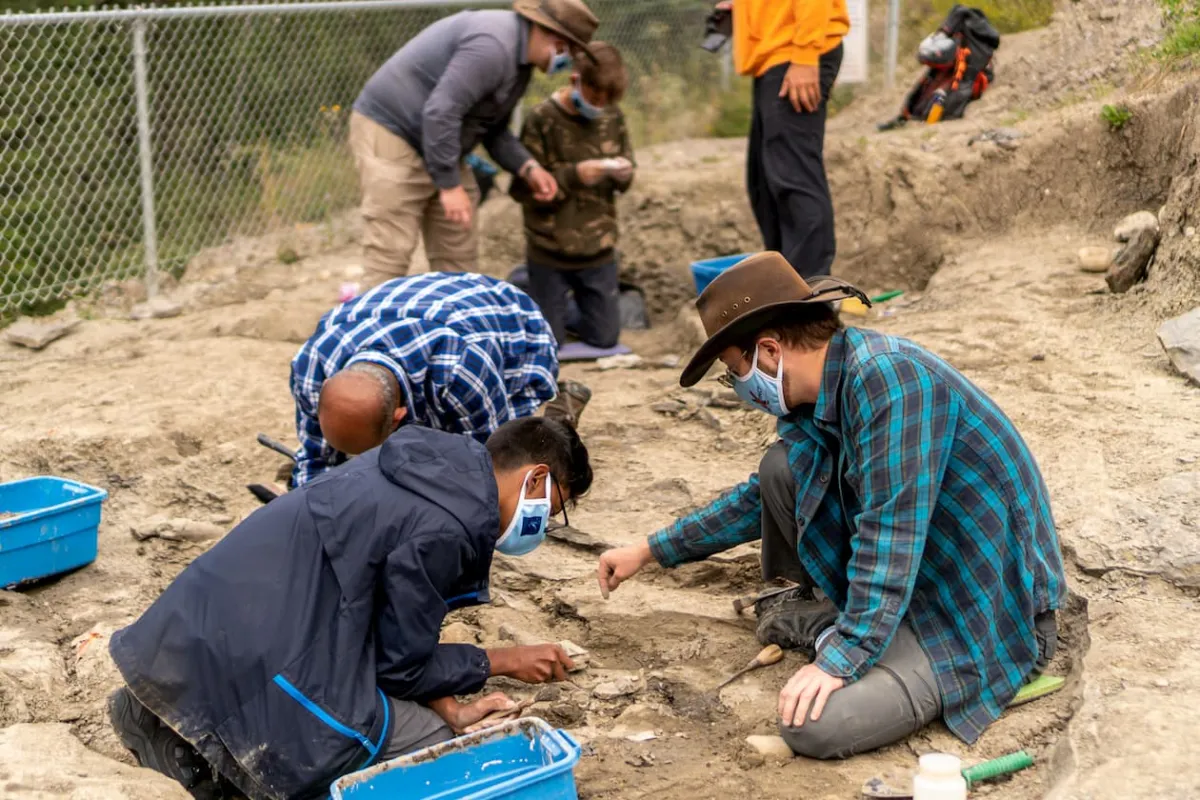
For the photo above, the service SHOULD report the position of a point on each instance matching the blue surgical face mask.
(585, 109)
(527, 529)
(559, 62)
(760, 391)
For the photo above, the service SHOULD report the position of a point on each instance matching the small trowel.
(771, 654)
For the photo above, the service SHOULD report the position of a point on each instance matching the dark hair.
(606, 73)
(807, 327)
(539, 440)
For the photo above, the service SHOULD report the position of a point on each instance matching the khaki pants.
(400, 204)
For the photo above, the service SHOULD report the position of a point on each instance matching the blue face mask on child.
(527, 529)
(760, 391)
(559, 62)
(585, 109)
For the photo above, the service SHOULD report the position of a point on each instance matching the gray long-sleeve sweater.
(454, 86)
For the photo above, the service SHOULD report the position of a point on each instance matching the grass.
(1117, 116)
(1009, 16)
(1182, 18)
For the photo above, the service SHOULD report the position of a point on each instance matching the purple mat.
(579, 351)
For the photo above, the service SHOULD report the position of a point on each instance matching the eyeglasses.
(566, 523)
(728, 379)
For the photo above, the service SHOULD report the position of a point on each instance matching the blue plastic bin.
(53, 527)
(525, 759)
(704, 271)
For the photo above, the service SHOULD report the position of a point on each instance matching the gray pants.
(899, 695)
(414, 726)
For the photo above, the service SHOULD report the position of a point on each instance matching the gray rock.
(621, 687)
(1129, 226)
(36, 335)
(1130, 265)
(1180, 337)
(159, 307)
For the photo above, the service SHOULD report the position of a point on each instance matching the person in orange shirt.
(793, 50)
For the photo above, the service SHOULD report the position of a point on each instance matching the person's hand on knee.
(810, 686)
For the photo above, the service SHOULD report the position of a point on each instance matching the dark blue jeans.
(596, 292)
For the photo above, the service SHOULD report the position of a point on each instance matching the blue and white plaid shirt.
(941, 520)
(470, 353)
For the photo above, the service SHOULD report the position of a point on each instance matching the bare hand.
(802, 87)
(725, 5)
(624, 170)
(544, 187)
(456, 203)
(809, 686)
(591, 172)
(460, 716)
(536, 663)
(619, 565)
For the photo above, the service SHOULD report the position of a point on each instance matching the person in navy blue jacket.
(304, 645)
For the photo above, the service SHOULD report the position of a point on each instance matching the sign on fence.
(855, 53)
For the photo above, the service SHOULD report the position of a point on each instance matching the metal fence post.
(891, 44)
(149, 224)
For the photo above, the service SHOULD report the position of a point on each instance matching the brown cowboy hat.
(570, 19)
(746, 297)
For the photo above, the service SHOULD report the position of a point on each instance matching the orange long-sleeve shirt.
(767, 33)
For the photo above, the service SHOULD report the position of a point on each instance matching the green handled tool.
(899, 787)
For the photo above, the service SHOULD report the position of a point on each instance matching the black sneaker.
(793, 620)
(161, 749)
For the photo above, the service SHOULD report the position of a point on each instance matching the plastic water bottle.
(940, 778)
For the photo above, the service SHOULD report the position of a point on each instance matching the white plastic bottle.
(940, 778)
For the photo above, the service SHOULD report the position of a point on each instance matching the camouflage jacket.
(578, 228)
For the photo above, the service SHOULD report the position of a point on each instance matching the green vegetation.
(1009, 16)
(1182, 18)
(1117, 117)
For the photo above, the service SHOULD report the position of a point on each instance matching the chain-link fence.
(130, 139)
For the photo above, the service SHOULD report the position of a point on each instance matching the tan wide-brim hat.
(570, 19)
(741, 300)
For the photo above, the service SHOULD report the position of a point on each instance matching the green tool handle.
(1004, 765)
(883, 298)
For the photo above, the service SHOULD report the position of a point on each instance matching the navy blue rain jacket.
(273, 651)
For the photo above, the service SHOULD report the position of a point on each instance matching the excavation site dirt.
(982, 232)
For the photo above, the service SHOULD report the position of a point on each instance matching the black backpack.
(958, 57)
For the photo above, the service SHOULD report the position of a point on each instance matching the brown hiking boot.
(567, 407)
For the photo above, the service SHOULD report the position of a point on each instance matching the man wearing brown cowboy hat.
(900, 492)
(451, 87)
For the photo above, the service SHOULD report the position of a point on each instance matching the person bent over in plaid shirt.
(900, 491)
(457, 352)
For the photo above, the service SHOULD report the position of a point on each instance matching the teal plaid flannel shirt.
(944, 522)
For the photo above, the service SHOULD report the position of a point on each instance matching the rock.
(578, 655)
(621, 687)
(1095, 259)
(158, 307)
(46, 760)
(562, 715)
(1107, 14)
(1129, 226)
(1130, 265)
(626, 361)
(1189, 232)
(36, 335)
(511, 633)
(458, 633)
(177, 530)
(770, 746)
(1180, 337)
(641, 736)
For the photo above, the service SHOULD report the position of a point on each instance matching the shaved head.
(359, 408)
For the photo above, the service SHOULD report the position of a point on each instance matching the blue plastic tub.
(525, 759)
(47, 526)
(703, 272)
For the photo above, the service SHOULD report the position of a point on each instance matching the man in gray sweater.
(451, 87)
